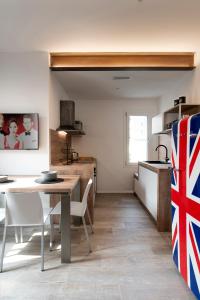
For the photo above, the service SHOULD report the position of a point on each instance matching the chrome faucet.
(166, 155)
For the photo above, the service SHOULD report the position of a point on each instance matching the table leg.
(76, 197)
(65, 229)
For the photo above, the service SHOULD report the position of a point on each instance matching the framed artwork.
(19, 131)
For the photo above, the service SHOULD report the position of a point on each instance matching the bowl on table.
(49, 175)
(3, 178)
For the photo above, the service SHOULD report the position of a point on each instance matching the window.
(136, 138)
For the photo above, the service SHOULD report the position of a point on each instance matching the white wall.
(189, 86)
(104, 124)
(56, 93)
(24, 88)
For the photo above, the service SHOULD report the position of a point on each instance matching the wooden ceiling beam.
(122, 61)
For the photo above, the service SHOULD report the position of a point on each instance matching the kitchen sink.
(157, 162)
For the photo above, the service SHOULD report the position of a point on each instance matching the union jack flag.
(185, 195)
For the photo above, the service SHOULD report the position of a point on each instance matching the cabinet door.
(147, 190)
(157, 124)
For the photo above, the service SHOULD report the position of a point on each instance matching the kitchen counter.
(91, 161)
(155, 167)
(86, 168)
(152, 186)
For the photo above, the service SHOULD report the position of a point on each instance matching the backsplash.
(57, 142)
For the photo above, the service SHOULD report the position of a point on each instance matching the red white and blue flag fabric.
(185, 196)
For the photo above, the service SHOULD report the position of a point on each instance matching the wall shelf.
(162, 123)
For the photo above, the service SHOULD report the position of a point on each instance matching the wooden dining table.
(24, 184)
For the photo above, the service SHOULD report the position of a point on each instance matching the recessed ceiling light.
(121, 77)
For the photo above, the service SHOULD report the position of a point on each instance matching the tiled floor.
(130, 261)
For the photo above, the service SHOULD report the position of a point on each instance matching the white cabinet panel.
(147, 190)
(157, 124)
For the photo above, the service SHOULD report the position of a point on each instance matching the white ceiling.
(99, 25)
(103, 25)
(100, 84)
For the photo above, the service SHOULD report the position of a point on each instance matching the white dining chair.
(25, 210)
(2, 220)
(78, 209)
(2, 214)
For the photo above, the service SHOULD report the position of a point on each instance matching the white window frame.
(127, 115)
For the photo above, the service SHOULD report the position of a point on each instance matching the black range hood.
(67, 119)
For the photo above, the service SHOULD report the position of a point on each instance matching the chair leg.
(86, 234)
(3, 248)
(90, 221)
(42, 248)
(21, 234)
(60, 219)
(51, 233)
(16, 236)
(60, 224)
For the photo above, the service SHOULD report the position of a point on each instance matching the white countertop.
(155, 167)
(160, 166)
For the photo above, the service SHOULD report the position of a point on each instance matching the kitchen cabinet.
(152, 187)
(146, 188)
(157, 124)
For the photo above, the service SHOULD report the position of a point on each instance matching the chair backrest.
(23, 209)
(85, 196)
(2, 214)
